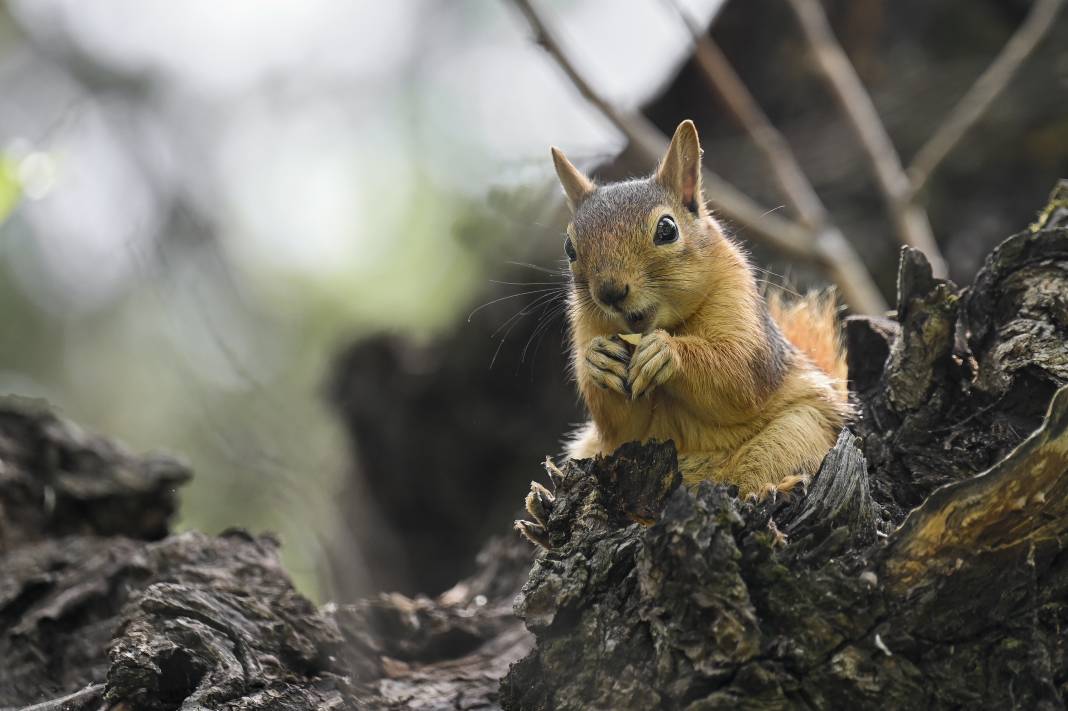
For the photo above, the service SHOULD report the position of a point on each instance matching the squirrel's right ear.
(680, 170)
(577, 187)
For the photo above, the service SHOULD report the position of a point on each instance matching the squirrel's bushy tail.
(810, 322)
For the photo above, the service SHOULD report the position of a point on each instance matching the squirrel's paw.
(653, 363)
(783, 487)
(539, 504)
(534, 533)
(606, 360)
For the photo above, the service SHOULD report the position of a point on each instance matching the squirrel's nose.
(611, 292)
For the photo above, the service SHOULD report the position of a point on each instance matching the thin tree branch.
(70, 702)
(983, 92)
(836, 252)
(910, 221)
(747, 113)
(784, 235)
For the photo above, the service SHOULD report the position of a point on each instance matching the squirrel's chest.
(661, 418)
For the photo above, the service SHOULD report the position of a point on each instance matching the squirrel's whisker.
(511, 323)
(524, 311)
(505, 298)
(560, 284)
(540, 340)
(781, 287)
(548, 315)
(542, 301)
(546, 270)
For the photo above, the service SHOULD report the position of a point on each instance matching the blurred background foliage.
(216, 220)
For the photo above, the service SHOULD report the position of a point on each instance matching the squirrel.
(752, 390)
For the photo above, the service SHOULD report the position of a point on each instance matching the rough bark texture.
(94, 613)
(710, 608)
(651, 595)
(969, 371)
(56, 480)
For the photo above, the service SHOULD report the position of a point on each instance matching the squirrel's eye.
(569, 249)
(666, 231)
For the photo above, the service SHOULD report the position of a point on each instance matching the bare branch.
(649, 142)
(847, 270)
(910, 221)
(834, 250)
(77, 700)
(983, 92)
(725, 82)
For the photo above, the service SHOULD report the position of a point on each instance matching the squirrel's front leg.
(653, 363)
(711, 375)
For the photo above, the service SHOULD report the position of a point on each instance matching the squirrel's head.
(639, 249)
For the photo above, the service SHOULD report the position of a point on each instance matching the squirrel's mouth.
(637, 321)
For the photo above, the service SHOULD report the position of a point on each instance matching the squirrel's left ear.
(680, 170)
(577, 187)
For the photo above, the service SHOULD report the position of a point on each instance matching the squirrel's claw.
(534, 533)
(539, 502)
(653, 363)
(555, 475)
(778, 538)
(783, 487)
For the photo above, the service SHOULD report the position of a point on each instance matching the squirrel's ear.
(680, 170)
(576, 185)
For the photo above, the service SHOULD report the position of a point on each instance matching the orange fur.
(810, 322)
